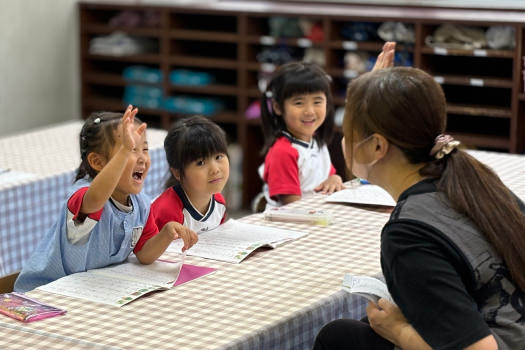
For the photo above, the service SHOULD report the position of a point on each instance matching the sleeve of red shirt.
(74, 204)
(281, 172)
(220, 199)
(332, 170)
(149, 230)
(167, 207)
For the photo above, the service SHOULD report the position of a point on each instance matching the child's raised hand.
(332, 184)
(176, 230)
(386, 57)
(129, 132)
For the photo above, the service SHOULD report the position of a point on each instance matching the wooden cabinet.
(484, 87)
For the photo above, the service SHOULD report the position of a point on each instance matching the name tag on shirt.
(135, 235)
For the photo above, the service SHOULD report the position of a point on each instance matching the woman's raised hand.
(386, 57)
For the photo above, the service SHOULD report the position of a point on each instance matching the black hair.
(192, 138)
(97, 135)
(291, 79)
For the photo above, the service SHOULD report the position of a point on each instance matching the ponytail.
(171, 181)
(97, 135)
(272, 124)
(474, 190)
(83, 170)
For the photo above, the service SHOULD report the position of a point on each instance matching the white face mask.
(362, 170)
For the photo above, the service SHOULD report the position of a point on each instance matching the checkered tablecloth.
(28, 207)
(275, 299)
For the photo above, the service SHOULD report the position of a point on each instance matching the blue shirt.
(109, 237)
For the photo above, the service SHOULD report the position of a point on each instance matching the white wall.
(39, 64)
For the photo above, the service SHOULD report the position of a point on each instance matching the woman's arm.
(387, 320)
(385, 59)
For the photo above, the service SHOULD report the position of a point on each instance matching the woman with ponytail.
(453, 251)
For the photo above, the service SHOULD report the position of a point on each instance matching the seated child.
(297, 116)
(106, 216)
(196, 150)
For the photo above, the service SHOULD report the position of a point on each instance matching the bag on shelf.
(455, 36)
(285, 27)
(121, 44)
(143, 96)
(360, 31)
(501, 37)
(142, 74)
(193, 105)
(397, 31)
(190, 77)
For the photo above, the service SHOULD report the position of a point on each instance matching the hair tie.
(268, 94)
(443, 145)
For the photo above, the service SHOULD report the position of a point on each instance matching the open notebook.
(120, 284)
(233, 241)
(363, 194)
(368, 287)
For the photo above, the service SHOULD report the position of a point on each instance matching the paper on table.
(191, 272)
(159, 272)
(368, 287)
(117, 285)
(233, 241)
(364, 194)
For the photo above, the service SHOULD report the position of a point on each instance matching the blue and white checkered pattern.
(299, 332)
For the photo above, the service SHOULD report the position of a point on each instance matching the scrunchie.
(443, 145)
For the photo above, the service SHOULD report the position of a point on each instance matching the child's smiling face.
(206, 176)
(132, 179)
(304, 114)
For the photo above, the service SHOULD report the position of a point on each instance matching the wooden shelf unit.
(484, 87)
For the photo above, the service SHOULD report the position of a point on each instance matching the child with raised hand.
(196, 151)
(298, 120)
(106, 216)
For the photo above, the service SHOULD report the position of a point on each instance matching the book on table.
(233, 241)
(368, 287)
(25, 309)
(120, 284)
(363, 194)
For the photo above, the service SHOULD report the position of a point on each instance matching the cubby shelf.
(472, 53)
(484, 87)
